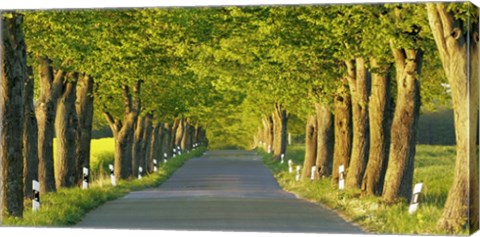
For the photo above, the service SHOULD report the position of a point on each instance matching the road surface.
(220, 191)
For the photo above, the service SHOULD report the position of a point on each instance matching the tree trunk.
(280, 119)
(137, 151)
(399, 174)
(359, 89)
(65, 128)
(343, 132)
(197, 133)
(173, 143)
(185, 143)
(180, 133)
(379, 113)
(192, 137)
(324, 158)
(14, 68)
(50, 88)
(167, 139)
(459, 54)
(268, 129)
(123, 148)
(156, 144)
(84, 108)
(310, 146)
(147, 162)
(30, 138)
(123, 132)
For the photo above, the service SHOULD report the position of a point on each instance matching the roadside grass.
(434, 166)
(67, 206)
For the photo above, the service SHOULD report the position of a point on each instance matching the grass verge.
(434, 167)
(68, 206)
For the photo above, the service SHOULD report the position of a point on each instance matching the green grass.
(434, 167)
(68, 205)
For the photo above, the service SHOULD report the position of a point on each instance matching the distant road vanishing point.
(224, 190)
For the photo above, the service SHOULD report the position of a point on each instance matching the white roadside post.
(155, 169)
(281, 158)
(290, 166)
(36, 195)
(269, 149)
(341, 178)
(312, 173)
(112, 175)
(140, 170)
(179, 150)
(174, 152)
(297, 176)
(415, 198)
(85, 178)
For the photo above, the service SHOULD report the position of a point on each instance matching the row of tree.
(368, 122)
(348, 71)
(62, 106)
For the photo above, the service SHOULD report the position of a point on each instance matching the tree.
(310, 146)
(407, 54)
(84, 108)
(65, 130)
(30, 138)
(455, 30)
(13, 76)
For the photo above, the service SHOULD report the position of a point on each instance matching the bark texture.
(343, 133)
(359, 89)
(167, 139)
(399, 174)
(147, 162)
(280, 119)
(138, 144)
(50, 87)
(379, 116)
(65, 129)
(123, 132)
(30, 138)
(324, 160)
(458, 51)
(84, 108)
(180, 132)
(155, 150)
(13, 74)
(310, 146)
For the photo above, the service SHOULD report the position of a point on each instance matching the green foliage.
(434, 167)
(225, 67)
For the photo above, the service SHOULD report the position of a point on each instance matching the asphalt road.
(220, 191)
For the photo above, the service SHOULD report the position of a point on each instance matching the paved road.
(222, 190)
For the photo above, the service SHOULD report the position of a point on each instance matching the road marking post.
(341, 179)
(269, 149)
(281, 158)
(85, 178)
(297, 176)
(36, 195)
(155, 169)
(415, 198)
(290, 166)
(312, 173)
(174, 152)
(140, 170)
(112, 175)
(179, 150)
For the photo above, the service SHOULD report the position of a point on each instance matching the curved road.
(224, 191)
